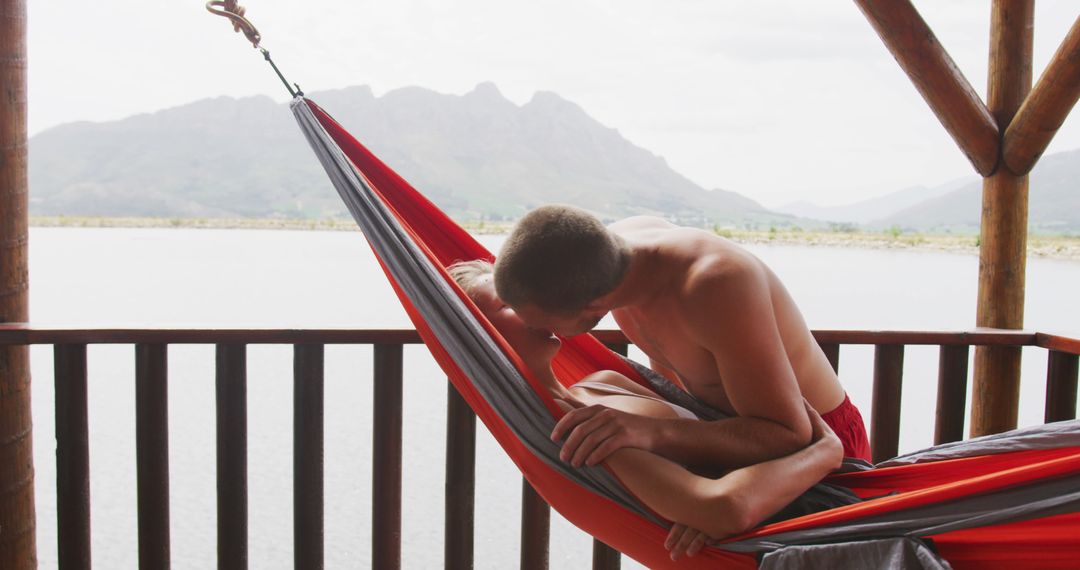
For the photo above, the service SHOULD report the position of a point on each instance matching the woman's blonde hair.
(468, 273)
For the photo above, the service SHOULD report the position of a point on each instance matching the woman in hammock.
(701, 507)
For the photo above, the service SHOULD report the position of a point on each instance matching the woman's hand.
(682, 540)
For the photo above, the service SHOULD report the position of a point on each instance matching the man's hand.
(682, 539)
(821, 433)
(594, 432)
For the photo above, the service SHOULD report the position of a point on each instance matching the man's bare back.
(664, 325)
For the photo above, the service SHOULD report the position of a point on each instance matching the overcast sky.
(777, 100)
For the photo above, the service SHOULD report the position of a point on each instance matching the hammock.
(1005, 501)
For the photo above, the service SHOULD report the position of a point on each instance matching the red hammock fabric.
(1044, 543)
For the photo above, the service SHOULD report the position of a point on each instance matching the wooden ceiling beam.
(1045, 108)
(939, 81)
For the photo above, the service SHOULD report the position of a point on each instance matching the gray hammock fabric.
(521, 409)
(885, 553)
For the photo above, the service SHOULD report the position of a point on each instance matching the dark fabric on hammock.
(672, 393)
(820, 497)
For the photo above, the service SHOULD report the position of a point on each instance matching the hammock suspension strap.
(232, 10)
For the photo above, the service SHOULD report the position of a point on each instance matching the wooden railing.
(151, 347)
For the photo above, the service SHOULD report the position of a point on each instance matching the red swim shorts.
(847, 422)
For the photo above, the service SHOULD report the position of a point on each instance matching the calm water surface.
(253, 278)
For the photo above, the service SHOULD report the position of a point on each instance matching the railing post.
(152, 454)
(386, 463)
(951, 394)
(535, 529)
(232, 499)
(72, 457)
(460, 481)
(605, 557)
(308, 456)
(1061, 373)
(885, 409)
(832, 353)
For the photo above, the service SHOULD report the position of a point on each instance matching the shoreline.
(1049, 247)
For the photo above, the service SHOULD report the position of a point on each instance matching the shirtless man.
(710, 316)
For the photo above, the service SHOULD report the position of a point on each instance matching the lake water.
(253, 278)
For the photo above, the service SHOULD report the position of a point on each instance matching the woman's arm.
(735, 502)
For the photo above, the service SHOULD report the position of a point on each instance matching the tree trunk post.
(18, 549)
(1003, 241)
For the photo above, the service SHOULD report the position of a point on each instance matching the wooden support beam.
(937, 78)
(1003, 247)
(1045, 108)
(18, 546)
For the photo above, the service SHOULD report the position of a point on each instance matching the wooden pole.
(18, 549)
(1045, 109)
(937, 78)
(1003, 242)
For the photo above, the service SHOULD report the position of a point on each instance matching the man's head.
(556, 264)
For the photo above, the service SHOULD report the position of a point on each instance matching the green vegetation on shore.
(1056, 247)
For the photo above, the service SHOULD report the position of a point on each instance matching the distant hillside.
(1054, 202)
(866, 211)
(477, 156)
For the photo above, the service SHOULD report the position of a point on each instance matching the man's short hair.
(559, 259)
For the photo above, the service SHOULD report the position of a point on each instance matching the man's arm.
(729, 313)
(592, 433)
(763, 489)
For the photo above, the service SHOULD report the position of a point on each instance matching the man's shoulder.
(722, 265)
(720, 284)
(636, 223)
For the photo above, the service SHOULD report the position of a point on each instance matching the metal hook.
(294, 92)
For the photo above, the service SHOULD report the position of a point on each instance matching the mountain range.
(478, 156)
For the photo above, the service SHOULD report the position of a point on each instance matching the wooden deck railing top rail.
(18, 333)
